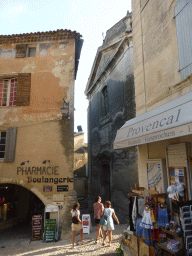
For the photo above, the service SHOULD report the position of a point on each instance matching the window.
(31, 51)
(183, 18)
(8, 88)
(15, 91)
(104, 103)
(2, 144)
(24, 50)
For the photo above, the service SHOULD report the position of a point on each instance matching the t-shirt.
(98, 209)
(75, 212)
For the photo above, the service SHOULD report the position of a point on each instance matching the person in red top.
(98, 210)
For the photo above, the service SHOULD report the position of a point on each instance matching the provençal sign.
(170, 122)
(45, 172)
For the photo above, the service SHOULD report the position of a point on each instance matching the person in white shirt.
(76, 223)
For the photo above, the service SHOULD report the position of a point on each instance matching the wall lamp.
(65, 109)
(45, 161)
(23, 163)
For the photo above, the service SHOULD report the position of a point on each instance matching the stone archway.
(18, 204)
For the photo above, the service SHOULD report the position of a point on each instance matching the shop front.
(163, 137)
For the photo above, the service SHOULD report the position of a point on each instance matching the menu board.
(36, 227)
(49, 230)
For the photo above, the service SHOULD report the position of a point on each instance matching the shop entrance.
(17, 206)
(105, 182)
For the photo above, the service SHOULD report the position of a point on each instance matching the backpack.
(74, 219)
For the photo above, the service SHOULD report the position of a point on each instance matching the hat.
(180, 189)
(171, 190)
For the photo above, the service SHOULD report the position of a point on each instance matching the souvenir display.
(161, 222)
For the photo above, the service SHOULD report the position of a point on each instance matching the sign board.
(49, 230)
(51, 208)
(62, 188)
(86, 223)
(171, 120)
(47, 188)
(36, 227)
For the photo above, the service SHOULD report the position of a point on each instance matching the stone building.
(37, 74)
(163, 91)
(80, 165)
(110, 91)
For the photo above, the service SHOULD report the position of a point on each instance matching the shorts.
(108, 228)
(76, 227)
(97, 221)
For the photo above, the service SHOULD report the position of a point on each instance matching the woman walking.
(110, 213)
(76, 223)
(98, 209)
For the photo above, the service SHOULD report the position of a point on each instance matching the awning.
(170, 120)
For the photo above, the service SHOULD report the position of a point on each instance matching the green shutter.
(11, 135)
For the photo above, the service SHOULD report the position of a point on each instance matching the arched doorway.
(106, 182)
(18, 205)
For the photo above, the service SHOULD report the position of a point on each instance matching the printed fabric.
(98, 209)
(147, 220)
(162, 218)
(134, 212)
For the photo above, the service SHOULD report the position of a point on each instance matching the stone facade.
(110, 91)
(39, 148)
(162, 72)
(80, 165)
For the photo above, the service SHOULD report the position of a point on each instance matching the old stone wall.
(156, 61)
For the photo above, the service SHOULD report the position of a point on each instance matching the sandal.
(103, 244)
(96, 241)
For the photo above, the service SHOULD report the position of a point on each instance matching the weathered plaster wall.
(42, 133)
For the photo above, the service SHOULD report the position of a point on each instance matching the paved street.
(19, 243)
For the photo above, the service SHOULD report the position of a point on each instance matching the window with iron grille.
(104, 103)
(2, 144)
(8, 89)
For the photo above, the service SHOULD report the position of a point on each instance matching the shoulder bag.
(103, 220)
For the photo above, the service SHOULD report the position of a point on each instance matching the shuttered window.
(21, 50)
(183, 17)
(8, 89)
(11, 135)
(15, 91)
(2, 144)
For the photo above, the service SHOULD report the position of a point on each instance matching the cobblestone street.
(12, 243)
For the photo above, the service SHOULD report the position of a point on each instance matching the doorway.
(106, 182)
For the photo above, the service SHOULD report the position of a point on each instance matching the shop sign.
(171, 120)
(62, 188)
(36, 227)
(49, 230)
(158, 136)
(47, 188)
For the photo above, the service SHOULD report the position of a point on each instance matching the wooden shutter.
(11, 135)
(21, 50)
(23, 89)
(183, 17)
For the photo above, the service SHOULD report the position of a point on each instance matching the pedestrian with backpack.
(76, 223)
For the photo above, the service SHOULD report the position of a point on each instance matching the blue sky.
(90, 18)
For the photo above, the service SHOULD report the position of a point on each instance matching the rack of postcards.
(157, 225)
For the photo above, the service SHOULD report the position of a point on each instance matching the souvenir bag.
(74, 219)
(103, 220)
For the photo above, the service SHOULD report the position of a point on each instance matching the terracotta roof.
(39, 36)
